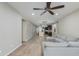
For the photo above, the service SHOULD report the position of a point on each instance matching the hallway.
(29, 48)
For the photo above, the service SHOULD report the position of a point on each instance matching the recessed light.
(56, 14)
(33, 14)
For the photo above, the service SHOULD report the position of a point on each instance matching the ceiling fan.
(48, 8)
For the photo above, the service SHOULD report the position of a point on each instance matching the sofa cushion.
(74, 44)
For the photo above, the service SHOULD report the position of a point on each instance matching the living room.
(28, 27)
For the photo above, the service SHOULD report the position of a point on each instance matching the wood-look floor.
(29, 48)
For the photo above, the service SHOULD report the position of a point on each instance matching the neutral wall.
(28, 30)
(69, 25)
(10, 29)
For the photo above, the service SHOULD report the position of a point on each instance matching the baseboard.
(13, 49)
(26, 40)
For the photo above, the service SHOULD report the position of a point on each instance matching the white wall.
(28, 30)
(10, 29)
(69, 26)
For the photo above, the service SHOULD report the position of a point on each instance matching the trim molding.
(13, 49)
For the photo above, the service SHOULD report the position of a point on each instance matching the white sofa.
(61, 51)
(63, 48)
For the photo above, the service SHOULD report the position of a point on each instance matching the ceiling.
(26, 10)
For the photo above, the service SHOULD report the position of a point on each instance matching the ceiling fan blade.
(38, 9)
(51, 12)
(57, 7)
(43, 12)
(48, 4)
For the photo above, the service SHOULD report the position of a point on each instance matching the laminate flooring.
(29, 48)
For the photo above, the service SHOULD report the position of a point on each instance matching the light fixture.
(56, 14)
(33, 14)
